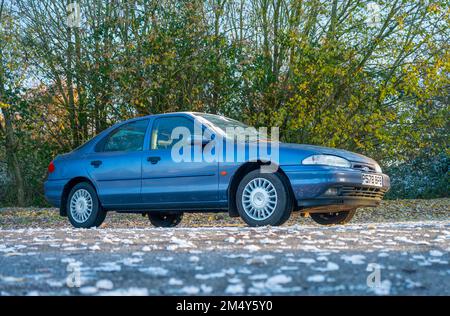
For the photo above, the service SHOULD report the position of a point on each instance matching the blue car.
(135, 166)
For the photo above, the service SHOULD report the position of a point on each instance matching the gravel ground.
(388, 211)
(402, 247)
(412, 257)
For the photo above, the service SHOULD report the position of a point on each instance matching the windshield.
(229, 127)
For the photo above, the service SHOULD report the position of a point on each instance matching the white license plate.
(372, 179)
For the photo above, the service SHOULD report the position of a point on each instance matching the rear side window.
(162, 131)
(128, 137)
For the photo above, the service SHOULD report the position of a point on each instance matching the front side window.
(161, 137)
(228, 126)
(129, 137)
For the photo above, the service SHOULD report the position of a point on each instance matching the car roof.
(114, 126)
(161, 114)
(189, 113)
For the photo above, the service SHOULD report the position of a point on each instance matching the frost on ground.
(388, 211)
(289, 260)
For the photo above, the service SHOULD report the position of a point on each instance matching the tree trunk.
(333, 19)
(12, 160)
(217, 15)
(10, 139)
(80, 88)
(69, 76)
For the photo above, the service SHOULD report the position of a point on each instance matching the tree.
(11, 79)
(368, 76)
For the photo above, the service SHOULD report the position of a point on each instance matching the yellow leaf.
(3, 105)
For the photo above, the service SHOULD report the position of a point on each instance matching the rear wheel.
(160, 219)
(263, 199)
(333, 218)
(83, 207)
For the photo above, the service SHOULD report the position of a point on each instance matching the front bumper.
(310, 184)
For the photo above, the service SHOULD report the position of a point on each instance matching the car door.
(168, 184)
(116, 165)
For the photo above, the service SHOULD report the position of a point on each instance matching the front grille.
(364, 192)
(363, 167)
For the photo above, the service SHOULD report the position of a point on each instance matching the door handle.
(154, 160)
(96, 163)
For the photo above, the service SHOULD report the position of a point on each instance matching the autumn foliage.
(368, 76)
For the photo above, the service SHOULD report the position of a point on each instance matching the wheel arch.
(65, 194)
(240, 173)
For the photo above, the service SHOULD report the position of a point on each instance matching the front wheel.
(83, 207)
(160, 219)
(263, 199)
(333, 218)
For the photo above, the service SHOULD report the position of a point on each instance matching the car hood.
(314, 150)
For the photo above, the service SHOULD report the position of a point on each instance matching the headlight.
(378, 168)
(326, 160)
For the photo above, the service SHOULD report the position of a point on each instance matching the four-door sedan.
(130, 167)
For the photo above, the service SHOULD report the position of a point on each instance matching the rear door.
(116, 165)
(167, 184)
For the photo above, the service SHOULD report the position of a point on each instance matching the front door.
(167, 184)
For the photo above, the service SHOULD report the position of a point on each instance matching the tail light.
(51, 167)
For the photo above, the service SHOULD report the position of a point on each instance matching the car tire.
(83, 207)
(263, 199)
(333, 218)
(161, 219)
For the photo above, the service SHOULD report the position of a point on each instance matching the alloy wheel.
(81, 205)
(259, 199)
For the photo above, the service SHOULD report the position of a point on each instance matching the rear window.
(128, 137)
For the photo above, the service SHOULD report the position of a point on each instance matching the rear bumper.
(310, 184)
(53, 191)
